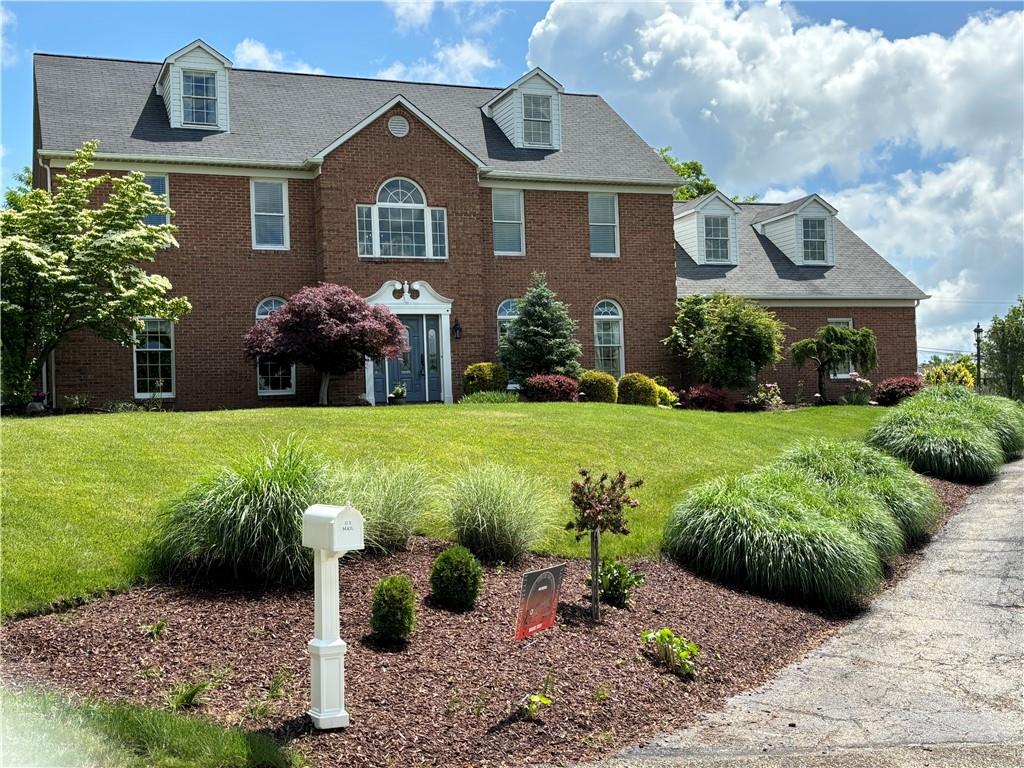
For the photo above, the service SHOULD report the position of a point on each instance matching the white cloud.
(767, 100)
(455, 63)
(8, 53)
(411, 14)
(253, 54)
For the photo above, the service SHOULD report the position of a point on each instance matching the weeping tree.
(67, 264)
(832, 346)
(330, 328)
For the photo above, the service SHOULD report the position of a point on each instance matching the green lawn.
(80, 492)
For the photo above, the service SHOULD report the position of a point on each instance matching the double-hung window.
(608, 348)
(536, 119)
(716, 239)
(507, 222)
(154, 359)
(841, 370)
(814, 240)
(272, 377)
(401, 225)
(158, 186)
(269, 214)
(604, 224)
(199, 97)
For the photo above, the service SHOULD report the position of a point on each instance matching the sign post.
(330, 532)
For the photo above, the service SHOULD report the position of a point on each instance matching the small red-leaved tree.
(329, 327)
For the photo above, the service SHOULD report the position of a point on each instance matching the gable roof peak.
(696, 203)
(535, 72)
(203, 45)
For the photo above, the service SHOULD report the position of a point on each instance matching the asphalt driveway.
(932, 675)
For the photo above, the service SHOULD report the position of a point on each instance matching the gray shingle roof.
(764, 272)
(287, 118)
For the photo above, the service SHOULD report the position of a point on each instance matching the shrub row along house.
(436, 201)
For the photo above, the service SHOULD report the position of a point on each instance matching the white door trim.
(427, 301)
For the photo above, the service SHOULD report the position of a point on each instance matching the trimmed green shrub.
(949, 373)
(498, 513)
(756, 531)
(455, 578)
(910, 498)
(599, 387)
(489, 398)
(848, 503)
(484, 377)
(244, 523)
(666, 396)
(942, 438)
(393, 611)
(392, 499)
(637, 389)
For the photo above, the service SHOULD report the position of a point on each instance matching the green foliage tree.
(832, 346)
(541, 339)
(1002, 352)
(696, 182)
(15, 194)
(67, 265)
(725, 339)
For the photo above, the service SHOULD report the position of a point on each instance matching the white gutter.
(519, 176)
(306, 165)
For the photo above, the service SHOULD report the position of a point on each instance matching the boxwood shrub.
(393, 611)
(599, 387)
(484, 377)
(637, 389)
(456, 578)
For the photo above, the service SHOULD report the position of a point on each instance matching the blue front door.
(419, 368)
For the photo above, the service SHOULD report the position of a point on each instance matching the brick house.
(437, 201)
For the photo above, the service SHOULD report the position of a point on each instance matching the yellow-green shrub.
(949, 373)
(637, 389)
(484, 377)
(599, 387)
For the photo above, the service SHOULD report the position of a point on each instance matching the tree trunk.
(595, 581)
(821, 385)
(325, 385)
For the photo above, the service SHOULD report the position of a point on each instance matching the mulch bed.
(449, 698)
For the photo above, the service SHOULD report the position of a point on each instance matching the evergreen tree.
(542, 337)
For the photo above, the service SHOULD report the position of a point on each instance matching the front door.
(419, 368)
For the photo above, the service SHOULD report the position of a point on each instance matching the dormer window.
(814, 240)
(716, 239)
(199, 97)
(536, 119)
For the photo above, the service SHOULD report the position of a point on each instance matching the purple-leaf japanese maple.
(330, 328)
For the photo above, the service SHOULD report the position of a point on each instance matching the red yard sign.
(538, 602)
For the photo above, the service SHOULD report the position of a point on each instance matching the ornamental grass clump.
(392, 499)
(944, 438)
(498, 513)
(758, 531)
(244, 524)
(489, 398)
(908, 497)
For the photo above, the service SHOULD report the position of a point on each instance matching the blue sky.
(906, 116)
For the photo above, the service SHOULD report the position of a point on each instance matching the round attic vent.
(398, 126)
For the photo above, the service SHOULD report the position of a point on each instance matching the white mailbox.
(330, 532)
(331, 528)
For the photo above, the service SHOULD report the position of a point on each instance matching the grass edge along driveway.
(81, 493)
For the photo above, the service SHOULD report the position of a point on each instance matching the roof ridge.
(497, 88)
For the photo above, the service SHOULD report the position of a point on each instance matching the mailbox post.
(330, 532)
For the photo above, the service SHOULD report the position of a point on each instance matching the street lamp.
(977, 352)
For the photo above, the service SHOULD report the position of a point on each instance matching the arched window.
(508, 310)
(401, 225)
(273, 378)
(608, 348)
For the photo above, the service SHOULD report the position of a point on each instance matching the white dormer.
(707, 229)
(194, 85)
(804, 231)
(529, 112)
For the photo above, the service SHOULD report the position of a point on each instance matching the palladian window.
(608, 347)
(401, 224)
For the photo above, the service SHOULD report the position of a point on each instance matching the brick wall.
(895, 333)
(224, 278)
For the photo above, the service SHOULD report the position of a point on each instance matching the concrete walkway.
(932, 675)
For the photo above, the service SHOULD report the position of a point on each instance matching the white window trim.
(215, 99)
(849, 324)
(167, 191)
(550, 121)
(500, 317)
(270, 392)
(622, 333)
(165, 395)
(522, 224)
(615, 198)
(728, 239)
(428, 225)
(252, 214)
(827, 261)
